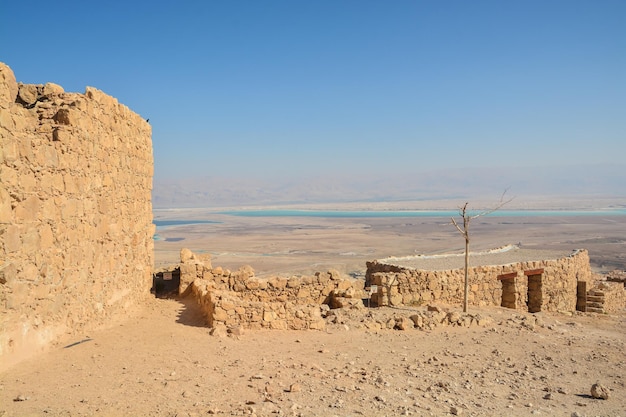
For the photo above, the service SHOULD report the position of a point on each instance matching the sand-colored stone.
(551, 287)
(81, 243)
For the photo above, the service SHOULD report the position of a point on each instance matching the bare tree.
(467, 218)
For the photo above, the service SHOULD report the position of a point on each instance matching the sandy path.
(163, 362)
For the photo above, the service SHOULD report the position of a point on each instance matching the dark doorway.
(508, 292)
(535, 298)
(581, 296)
(166, 283)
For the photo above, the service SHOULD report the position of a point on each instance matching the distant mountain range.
(603, 183)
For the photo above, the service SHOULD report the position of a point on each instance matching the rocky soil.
(372, 362)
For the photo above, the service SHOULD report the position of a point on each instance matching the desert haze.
(534, 187)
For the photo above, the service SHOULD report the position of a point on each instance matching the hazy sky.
(299, 88)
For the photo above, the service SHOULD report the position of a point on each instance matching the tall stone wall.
(76, 227)
(554, 282)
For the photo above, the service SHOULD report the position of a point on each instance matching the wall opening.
(581, 296)
(534, 294)
(508, 290)
(534, 298)
(166, 283)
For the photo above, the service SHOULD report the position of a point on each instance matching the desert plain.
(160, 360)
(304, 245)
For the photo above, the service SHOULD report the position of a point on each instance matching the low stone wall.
(76, 227)
(239, 298)
(553, 284)
(614, 296)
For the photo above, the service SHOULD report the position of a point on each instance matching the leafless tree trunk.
(463, 212)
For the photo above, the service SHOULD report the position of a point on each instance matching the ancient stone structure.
(239, 299)
(526, 280)
(605, 297)
(76, 227)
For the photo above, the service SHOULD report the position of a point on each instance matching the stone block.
(269, 316)
(294, 282)
(344, 285)
(27, 93)
(8, 86)
(6, 211)
(50, 89)
(219, 314)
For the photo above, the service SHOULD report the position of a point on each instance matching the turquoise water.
(420, 213)
(164, 223)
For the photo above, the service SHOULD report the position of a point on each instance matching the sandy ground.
(161, 360)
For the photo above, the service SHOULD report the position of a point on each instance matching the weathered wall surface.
(557, 290)
(75, 212)
(606, 297)
(238, 298)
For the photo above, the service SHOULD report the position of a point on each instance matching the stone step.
(596, 293)
(594, 310)
(595, 298)
(595, 305)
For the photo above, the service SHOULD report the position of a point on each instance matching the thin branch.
(500, 204)
(457, 226)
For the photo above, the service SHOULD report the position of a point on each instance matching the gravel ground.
(164, 363)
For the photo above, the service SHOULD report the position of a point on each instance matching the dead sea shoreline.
(304, 245)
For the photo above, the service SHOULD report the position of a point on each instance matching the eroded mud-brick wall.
(76, 228)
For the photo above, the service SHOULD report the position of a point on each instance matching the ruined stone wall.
(614, 296)
(238, 298)
(75, 212)
(397, 285)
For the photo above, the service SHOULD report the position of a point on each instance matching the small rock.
(548, 396)
(295, 387)
(576, 414)
(21, 397)
(219, 330)
(599, 391)
(455, 411)
(454, 317)
(236, 331)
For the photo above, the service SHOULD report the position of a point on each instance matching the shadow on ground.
(190, 313)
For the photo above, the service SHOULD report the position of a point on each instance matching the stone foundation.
(76, 228)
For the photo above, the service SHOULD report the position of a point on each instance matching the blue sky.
(262, 89)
